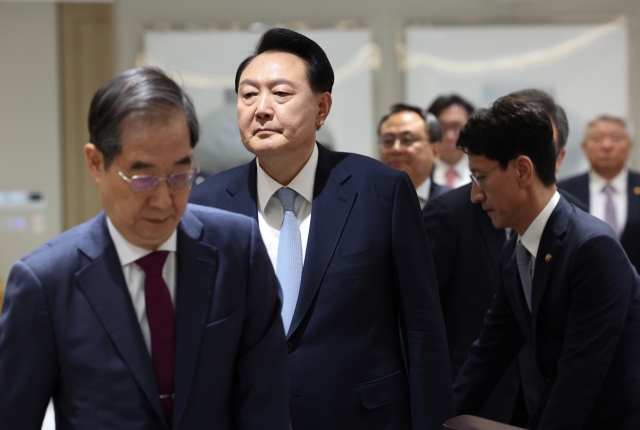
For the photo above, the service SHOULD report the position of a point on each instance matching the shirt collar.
(619, 182)
(302, 184)
(461, 166)
(423, 190)
(531, 238)
(129, 253)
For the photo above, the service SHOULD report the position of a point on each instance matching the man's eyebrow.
(271, 83)
(139, 165)
(185, 160)
(247, 82)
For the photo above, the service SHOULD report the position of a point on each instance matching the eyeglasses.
(406, 140)
(455, 127)
(478, 179)
(143, 183)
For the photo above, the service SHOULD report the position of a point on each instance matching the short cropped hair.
(627, 126)
(443, 102)
(511, 128)
(432, 125)
(555, 111)
(145, 94)
(319, 70)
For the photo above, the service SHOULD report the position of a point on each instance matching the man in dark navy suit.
(152, 315)
(466, 251)
(411, 141)
(610, 190)
(345, 235)
(565, 287)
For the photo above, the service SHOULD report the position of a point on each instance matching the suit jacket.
(68, 330)
(435, 191)
(583, 327)
(579, 187)
(466, 253)
(364, 282)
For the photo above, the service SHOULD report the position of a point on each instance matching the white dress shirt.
(270, 213)
(134, 276)
(423, 191)
(461, 168)
(531, 238)
(598, 199)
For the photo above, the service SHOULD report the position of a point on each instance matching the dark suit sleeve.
(601, 292)
(500, 340)
(442, 234)
(427, 354)
(27, 352)
(262, 376)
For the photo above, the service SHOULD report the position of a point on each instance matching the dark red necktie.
(162, 324)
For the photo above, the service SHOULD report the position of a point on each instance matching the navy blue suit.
(583, 328)
(630, 237)
(364, 283)
(466, 253)
(68, 330)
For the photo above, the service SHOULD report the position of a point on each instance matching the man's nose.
(477, 194)
(264, 109)
(161, 197)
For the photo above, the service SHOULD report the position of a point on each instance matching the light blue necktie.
(289, 261)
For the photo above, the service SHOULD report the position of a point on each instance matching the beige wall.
(386, 18)
(29, 122)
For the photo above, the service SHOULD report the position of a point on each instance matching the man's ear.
(95, 161)
(525, 170)
(436, 147)
(559, 159)
(324, 107)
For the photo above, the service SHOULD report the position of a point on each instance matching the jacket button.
(511, 388)
(548, 377)
(289, 347)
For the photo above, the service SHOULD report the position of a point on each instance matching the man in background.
(345, 235)
(410, 141)
(610, 190)
(452, 112)
(466, 252)
(152, 315)
(564, 288)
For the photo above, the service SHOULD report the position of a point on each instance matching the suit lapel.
(633, 199)
(332, 203)
(197, 267)
(103, 284)
(243, 192)
(548, 250)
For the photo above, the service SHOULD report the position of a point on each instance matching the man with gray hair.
(152, 315)
(610, 190)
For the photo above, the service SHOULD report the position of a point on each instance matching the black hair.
(319, 70)
(555, 111)
(432, 126)
(511, 128)
(443, 102)
(144, 93)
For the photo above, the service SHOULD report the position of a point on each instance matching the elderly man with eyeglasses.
(154, 314)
